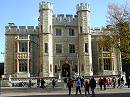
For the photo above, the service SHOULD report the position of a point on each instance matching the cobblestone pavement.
(59, 92)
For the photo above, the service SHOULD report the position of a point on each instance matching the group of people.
(105, 82)
(120, 82)
(114, 82)
(89, 84)
(79, 83)
(41, 83)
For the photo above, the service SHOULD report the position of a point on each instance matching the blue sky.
(25, 12)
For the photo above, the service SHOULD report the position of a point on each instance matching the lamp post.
(120, 65)
(59, 72)
(78, 64)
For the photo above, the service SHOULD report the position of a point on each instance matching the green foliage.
(118, 18)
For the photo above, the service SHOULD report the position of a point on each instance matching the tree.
(119, 31)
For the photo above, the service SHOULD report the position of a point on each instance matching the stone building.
(61, 45)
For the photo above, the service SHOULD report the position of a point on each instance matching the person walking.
(43, 83)
(53, 83)
(104, 83)
(82, 81)
(119, 82)
(38, 82)
(100, 82)
(122, 82)
(78, 85)
(69, 85)
(109, 82)
(86, 87)
(114, 82)
(92, 84)
(30, 83)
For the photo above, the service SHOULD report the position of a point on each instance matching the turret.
(83, 7)
(45, 6)
(45, 38)
(45, 18)
(84, 38)
(83, 12)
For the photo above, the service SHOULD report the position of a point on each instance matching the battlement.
(82, 7)
(64, 18)
(100, 31)
(100, 28)
(45, 6)
(11, 27)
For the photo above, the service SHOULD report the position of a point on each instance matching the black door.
(65, 70)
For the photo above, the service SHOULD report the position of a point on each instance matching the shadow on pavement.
(30, 90)
(73, 95)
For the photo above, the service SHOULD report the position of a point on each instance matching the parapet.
(13, 29)
(100, 31)
(64, 18)
(45, 6)
(83, 7)
(67, 19)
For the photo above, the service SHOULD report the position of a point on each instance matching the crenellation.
(6, 28)
(83, 6)
(20, 29)
(45, 6)
(75, 16)
(69, 15)
(100, 31)
(30, 27)
(97, 28)
(37, 28)
(60, 15)
(11, 28)
(64, 18)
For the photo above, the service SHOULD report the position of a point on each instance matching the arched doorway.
(65, 70)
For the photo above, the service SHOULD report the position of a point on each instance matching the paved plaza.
(59, 92)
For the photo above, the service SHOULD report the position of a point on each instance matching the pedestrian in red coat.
(86, 87)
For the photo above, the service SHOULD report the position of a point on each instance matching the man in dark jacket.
(43, 83)
(128, 82)
(92, 84)
(69, 85)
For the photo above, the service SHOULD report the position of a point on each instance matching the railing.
(22, 55)
(28, 82)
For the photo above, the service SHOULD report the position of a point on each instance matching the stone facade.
(61, 45)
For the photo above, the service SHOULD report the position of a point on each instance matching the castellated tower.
(84, 38)
(45, 38)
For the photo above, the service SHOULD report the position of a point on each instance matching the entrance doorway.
(65, 70)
